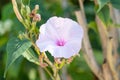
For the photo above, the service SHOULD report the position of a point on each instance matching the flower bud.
(36, 7)
(34, 11)
(37, 17)
(28, 10)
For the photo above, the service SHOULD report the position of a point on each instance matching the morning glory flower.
(62, 37)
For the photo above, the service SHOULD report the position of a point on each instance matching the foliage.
(103, 10)
(18, 49)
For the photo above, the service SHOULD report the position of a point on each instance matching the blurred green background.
(10, 26)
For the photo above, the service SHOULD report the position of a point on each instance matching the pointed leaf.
(102, 3)
(15, 48)
(31, 56)
(104, 15)
(50, 57)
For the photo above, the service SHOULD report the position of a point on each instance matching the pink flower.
(62, 37)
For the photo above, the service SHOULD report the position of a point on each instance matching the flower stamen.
(60, 43)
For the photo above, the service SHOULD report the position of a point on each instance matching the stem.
(88, 55)
(102, 29)
(15, 8)
(36, 48)
(56, 75)
(47, 61)
(49, 73)
(30, 36)
(56, 72)
(110, 59)
(42, 73)
(82, 11)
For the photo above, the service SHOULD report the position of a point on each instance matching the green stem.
(49, 73)
(47, 61)
(36, 48)
(56, 75)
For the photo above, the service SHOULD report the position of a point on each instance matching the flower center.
(60, 42)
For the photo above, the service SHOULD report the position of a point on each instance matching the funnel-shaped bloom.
(62, 37)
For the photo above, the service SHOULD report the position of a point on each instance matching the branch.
(106, 71)
(82, 7)
(103, 34)
(109, 71)
(110, 59)
(89, 57)
(114, 13)
(82, 11)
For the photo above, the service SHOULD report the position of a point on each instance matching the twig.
(115, 15)
(110, 59)
(89, 57)
(49, 73)
(103, 34)
(106, 71)
(82, 8)
(82, 11)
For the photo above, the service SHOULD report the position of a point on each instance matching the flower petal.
(48, 31)
(44, 42)
(59, 52)
(70, 49)
(44, 46)
(62, 52)
(65, 28)
(74, 45)
(74, 31)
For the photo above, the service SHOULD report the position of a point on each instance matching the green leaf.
(51, 58)
(104, 15)
(115, 3)
(102, 3)
(93, 26)
(15, 48)
(31, 56)
(15, 68)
